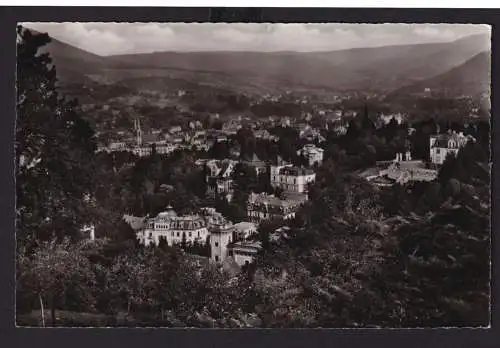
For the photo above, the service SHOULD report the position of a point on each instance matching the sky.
(126, 38)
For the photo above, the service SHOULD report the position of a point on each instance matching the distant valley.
(461, 66)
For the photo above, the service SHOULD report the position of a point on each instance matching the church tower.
(138, 130)
(219, 240)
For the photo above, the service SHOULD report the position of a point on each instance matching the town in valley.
(347, 187)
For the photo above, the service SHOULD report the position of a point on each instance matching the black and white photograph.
(253, 175)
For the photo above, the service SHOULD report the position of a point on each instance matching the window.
(178, 234)
(437, 151)
(198, 234)
(216, 258)
(216, 244)
(190, 234)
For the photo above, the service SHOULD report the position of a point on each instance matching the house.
(312, 153)
(224, 249)
(174, 229)
(311, 134)
(244, 252)
(214, 219)
(244, 229)
(441, 145)
(219, 178)
(263, 207)
(402, 170)
(175, 129)
(290, 178)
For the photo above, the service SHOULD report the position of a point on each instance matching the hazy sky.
(122, 38)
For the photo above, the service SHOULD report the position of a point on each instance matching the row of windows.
(190, 234)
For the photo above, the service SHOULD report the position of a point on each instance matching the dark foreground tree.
(54, 147)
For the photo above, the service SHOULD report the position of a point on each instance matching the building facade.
(219, 178)
(265, 207)
(312, 153)
(219, 241)
(244, 252)
(243, 230)
(174, 229)
(290, 178)
(441, 145)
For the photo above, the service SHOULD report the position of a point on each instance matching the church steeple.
(138, 130)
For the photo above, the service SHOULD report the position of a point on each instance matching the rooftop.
(247, 245)
(244, 225)
(272, 200)
(296, 171)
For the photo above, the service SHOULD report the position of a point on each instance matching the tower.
(138, 130)
(219, 240)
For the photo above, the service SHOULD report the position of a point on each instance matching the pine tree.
(54, 147)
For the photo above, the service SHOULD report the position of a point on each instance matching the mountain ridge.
(382, 68)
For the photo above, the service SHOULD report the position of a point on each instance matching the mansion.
(227, 241)
(219, 178)
(290, 178)
(174, 229)
(312, 153)
(265, 207)
(443, 144)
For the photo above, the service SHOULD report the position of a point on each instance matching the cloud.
(121, 38)
(436, 33)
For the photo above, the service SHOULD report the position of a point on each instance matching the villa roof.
(246, 245)
(270, 200)
(442, 139)
(244, 225)
(296, 171)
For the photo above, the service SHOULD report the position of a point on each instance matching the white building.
(290, 178)
(312, 153)
(243, 230)
(244, 252)
(223, 247)
(219, 178)
(214, 219)
(264, 207)
(443, 144)
(88, 231)
(219, 241)
(174, 229)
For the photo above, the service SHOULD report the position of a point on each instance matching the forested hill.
(471, 78)
(374, 68)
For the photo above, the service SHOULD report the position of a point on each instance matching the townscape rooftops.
(250, 246)
(442, 140)
(296, 171)
(221, 167)
(244, 225)
(270, 200)
(312, 148)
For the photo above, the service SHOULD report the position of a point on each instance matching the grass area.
(66, 318)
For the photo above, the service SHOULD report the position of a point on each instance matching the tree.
(163, 244)
(54, 148)
(183, 242)
(58, 274)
